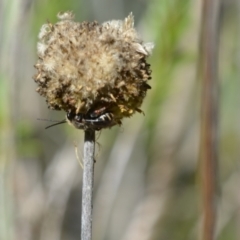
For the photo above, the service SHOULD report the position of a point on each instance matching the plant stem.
(209, 114)
(87, 186)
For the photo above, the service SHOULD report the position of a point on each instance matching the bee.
(93, 119)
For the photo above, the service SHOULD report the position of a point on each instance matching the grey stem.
(87, 185)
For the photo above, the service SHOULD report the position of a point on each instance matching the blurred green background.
(147, 183)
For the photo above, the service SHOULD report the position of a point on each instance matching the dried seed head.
(87, 66)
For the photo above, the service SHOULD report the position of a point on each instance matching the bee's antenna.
(61, 122)
(47, 120)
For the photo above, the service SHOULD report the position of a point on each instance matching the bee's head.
(76, 120)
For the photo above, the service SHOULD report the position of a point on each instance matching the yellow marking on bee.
(109, 118)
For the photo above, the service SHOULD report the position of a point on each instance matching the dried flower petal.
(86, 66)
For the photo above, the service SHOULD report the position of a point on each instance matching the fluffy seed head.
(86, 66)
